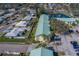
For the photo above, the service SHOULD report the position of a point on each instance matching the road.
(15, 47)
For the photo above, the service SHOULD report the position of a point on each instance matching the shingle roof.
(41, 52)
(43, 26)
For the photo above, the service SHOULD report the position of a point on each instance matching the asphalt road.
(13, 48)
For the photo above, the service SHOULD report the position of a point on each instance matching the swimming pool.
(59, 16)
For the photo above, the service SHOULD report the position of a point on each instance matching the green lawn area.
(32, 33)
(77, 21)
(4, 39)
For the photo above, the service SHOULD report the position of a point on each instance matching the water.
(59, 16)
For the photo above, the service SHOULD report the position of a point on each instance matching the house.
(1, 19)
(27, 18)
(2, 12)
(43, 29)
(41, 52)
(31, 11)
(50, 6)
(8, 15)
(11, 10)
(15, 32)
(22, 24)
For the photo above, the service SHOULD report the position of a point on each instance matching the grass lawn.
(1, 33)
(4, 39)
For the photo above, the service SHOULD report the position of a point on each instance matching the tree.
(58, 26)
(22, 54)
(41, 45)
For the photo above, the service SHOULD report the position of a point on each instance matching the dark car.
(57, 38)
(74, 43)
(77, 54)
(71, 31)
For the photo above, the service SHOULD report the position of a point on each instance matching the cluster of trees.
(31, 35)
(58, 26)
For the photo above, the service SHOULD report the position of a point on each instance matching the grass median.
(4, 39)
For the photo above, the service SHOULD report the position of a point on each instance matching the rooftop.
(21, 23)
(27, 18)
(1, 19)
(41, 52)
(43, 26)
(14, 32)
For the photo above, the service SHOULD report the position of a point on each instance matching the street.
(16, 47)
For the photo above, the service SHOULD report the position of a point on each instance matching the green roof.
(43, 26)
(41, 52)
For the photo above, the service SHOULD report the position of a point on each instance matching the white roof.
(9, 14)
(1, 12)
(11, 10)
(21, 23)
(32, 11)
(27, 17)
(67, 19)
(1, 19)
(15, 32)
